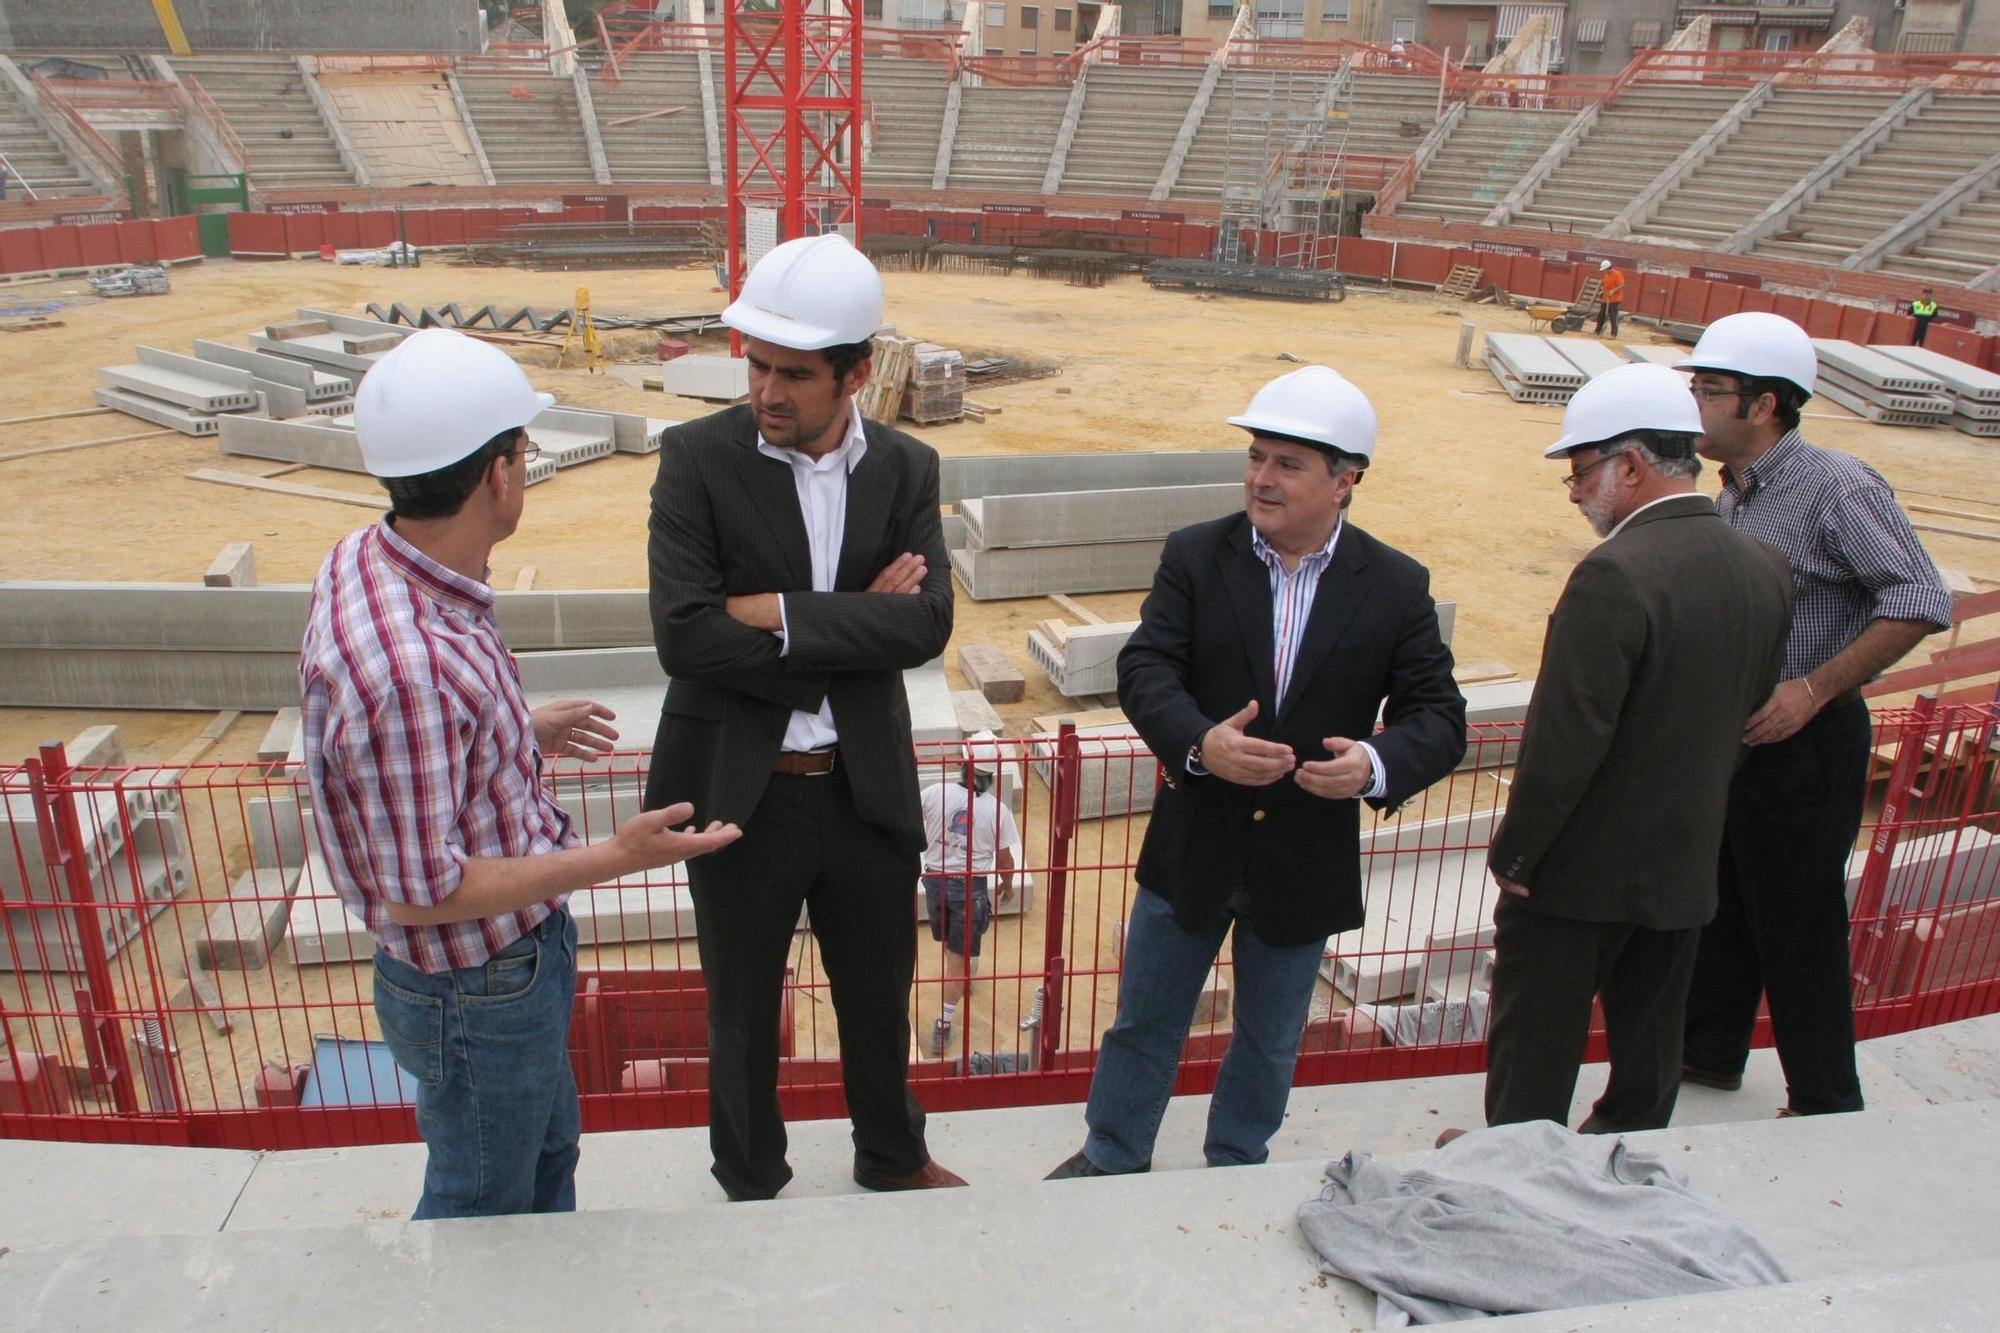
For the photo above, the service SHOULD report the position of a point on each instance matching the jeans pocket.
(508, 976)
(413, 1029)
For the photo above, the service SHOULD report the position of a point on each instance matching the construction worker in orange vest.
(1611, 296)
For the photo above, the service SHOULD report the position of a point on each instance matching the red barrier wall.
(1857, 325)
(305, 233)
(1422, 263)
(177, 238)
(99, 242)
(21, 251)
(135, 242)
(255, 234)
(61, 247)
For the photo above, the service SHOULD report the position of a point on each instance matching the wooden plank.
(84, 444)
(987, 669)
(1072, 607)
(1957, 532)
(644, 115)
(1942, 512)
(1055, 631)
(974, 713)
(218, 726)
(1091, 717)
(293, 488)
(524, 580)
(58, 416)
(1481, 673)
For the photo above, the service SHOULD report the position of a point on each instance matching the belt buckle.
(832, 762)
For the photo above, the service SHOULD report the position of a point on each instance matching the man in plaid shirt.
(1866, 594)
(425, 764)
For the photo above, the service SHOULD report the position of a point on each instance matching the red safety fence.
(176, 966)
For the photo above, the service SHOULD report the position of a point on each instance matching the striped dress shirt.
(1292, 593)
(1854, 556)
(419, 746)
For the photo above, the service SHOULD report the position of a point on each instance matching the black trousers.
(1546, 971)
(1609, 310)
(805, 845)
(1923, 329)
(1781, 927)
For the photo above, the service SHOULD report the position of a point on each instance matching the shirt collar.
(847, 457)
(1269, 554)
(445, 585)
(1677, 495)
(1768, 467)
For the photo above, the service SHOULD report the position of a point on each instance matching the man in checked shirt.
(1866, 593)
(425, 764)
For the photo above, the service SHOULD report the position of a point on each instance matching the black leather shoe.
(930, 1177)
(1708, 1078)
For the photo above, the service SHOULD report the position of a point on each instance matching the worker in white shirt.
(971, 832)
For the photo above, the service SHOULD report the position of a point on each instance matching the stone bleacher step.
(1840, 1198)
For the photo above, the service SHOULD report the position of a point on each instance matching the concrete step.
(1898, 1196)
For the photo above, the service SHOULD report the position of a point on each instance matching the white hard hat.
(817, 291)
(982, 751)
(1641, 396)
(1603, 264)
(435, 398)
(1759, 345)
(1314, 405)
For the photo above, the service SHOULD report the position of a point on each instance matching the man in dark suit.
(1667, 637)
(798, 567)
(1267, 645)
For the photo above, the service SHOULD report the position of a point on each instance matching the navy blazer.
(1203, 649)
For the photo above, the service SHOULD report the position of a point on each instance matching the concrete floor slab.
(1064, 518)
(188, 391)
(1037, 571)
(153, 410)
(964, 477)
(303, 441)
(1947, 1298)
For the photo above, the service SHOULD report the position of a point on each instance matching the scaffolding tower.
(1285, 165)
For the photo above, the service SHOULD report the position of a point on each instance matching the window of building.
(1590, 32)
(871, 9)
(1281, 18)
(1781, 40)
(1405, 30)
(996, 16)
(1062, 20)
(1220, 9)
(1646, 32)
(1031, 17)
(1333, 11)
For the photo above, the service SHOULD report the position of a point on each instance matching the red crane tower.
(793, 119)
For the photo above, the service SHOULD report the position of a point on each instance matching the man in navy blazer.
(1270, 642)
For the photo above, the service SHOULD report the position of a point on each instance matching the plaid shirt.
(419, 746)
(1854, 556)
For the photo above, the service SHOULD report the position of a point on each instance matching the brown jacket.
(1667, 637)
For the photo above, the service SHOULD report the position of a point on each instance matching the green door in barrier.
(214, 227)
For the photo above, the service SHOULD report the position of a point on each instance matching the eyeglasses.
(1708, 391)
(1573, 479)
(528, 453)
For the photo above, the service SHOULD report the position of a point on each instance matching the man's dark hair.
(1789, 396)
(844, 357)
(442, 493)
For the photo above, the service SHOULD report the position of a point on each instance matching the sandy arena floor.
(1459, 482)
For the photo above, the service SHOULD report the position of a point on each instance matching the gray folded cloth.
(1525, 1217)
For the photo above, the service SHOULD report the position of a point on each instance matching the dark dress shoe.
(931, 1177)
(1708, 1078)
(1078, 1166)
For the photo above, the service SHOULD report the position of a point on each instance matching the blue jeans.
(496, 1100)
(1165, 967)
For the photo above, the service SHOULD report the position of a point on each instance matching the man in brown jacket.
(1667, 637)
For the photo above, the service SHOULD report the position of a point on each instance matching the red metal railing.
(179, 969)
(110, 165)
(203, 107)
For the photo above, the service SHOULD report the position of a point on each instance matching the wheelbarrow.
(1554, 318)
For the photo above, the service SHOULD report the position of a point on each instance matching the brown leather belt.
(806, 763)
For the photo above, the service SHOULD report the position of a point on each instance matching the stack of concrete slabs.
(1588, 355)
(1656, 354)
(1975, 391)
(1530, 370)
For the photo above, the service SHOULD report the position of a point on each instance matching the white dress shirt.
(822, 487)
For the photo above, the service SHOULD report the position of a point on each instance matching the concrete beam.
(244, 931)
(1552, 158)
(329, 115)
(1918, 223)
(292, 442)
(1830, 169)
(1170, 170)
(711, 115)
(471, 130)
(1645, 203)
(586, 111)
(947, 134)
(270, 368)
(1066, 133)
(184, 390)
(968, 477)
(1067, 518)
(1037, 571)
(1086, 662)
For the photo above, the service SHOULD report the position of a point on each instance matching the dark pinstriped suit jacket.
(726, 522)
